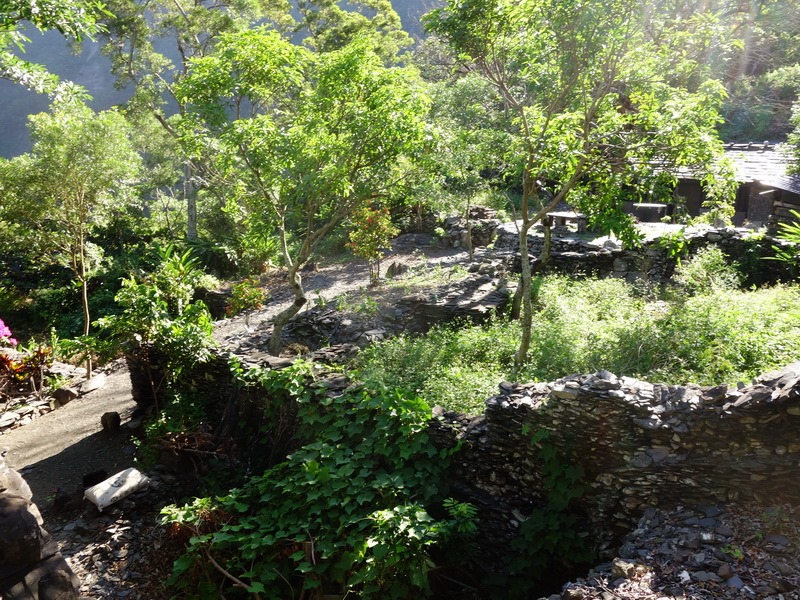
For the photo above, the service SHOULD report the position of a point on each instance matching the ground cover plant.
(346, 512)
(716, 335)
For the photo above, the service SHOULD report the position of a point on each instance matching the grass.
(719, 335)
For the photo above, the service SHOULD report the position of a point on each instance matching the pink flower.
(5, 335)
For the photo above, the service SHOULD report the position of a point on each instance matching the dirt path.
(411, 251)
(60, 447)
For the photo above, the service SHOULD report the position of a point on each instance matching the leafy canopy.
(302, 139)
(82, 168)
(315, 135)
(597, 115)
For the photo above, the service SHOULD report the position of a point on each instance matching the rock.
(55, 587)
(111, 422)
(396, 270)
(627, 569)
(782, 585)
(65, 395)
(777, 539)
(735, 582)
(21, 539)
(58, 585)
(783, 568)
(8, 419)
(641, 461)
(95, 383)
(725, 571)
(12, 483)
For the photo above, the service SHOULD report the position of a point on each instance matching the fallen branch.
(236, 582)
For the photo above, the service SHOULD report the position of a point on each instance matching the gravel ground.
(58, 448)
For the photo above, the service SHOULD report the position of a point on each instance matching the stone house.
(766, 193)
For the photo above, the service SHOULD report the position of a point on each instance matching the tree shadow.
(65, 468)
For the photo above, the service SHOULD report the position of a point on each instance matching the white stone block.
(115, 488)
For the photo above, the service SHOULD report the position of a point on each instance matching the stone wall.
(639, 444)
(31, 567)
(587, 254)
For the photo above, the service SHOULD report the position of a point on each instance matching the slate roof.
(762, 163)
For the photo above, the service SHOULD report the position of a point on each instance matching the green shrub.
(727, 336)
(245, 296)
(584, 325)
(160, 311)
(456, 367)
(707, 271)
(344, 513)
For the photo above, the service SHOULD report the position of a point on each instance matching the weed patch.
(720, 335)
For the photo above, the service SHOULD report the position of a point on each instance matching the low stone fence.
(586, 254)
(638, 445)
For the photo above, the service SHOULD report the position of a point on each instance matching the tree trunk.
(523, 297)
(190, 194)
(548, 243)
(283, 317)
(87, 321)
(469, 233)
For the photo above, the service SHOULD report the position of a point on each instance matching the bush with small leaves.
(245, 296)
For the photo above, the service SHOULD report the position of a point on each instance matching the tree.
(597, 120)
(82, 165)
(330, 26)
(472, 135)
(151, 45)
(751, 45)
(793, 142)
(310, 137)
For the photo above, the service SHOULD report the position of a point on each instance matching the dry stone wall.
(639, 445)
(586, 254)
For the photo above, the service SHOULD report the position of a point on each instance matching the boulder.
(21, 539)
(31, 567)
(65, 395)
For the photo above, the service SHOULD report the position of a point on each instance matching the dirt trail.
(58, 448)
(410, 251)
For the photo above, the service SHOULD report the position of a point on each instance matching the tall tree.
(311, 137)
(595, 114)
(331, 25)
(151, 45)
(82, 165)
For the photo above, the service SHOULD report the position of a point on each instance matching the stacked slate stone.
(727, 552)
(482, 227)
(573, 253)
(475, 299)
(638, 444)
(31, 567)
(336, 334)
(24, 408)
